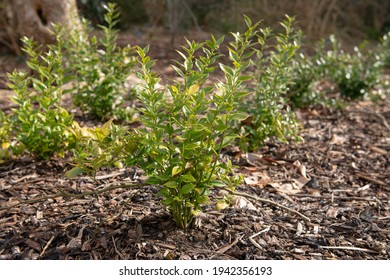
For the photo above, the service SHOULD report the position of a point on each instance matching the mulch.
(339, 178)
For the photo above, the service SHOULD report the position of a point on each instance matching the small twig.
(349, 248)
(166, 246)
(267, 201)
(116, 249)
(371, 179)
(46, 246)
(227, 247)
(99, 177)
(344, 198)
(251, 238)
(109, 187)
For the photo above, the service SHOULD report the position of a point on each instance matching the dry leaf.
(39, 215)
(337, 140)
(258, 178)
(332, 212)
(299, 229)
(301, 168)
(242, 203)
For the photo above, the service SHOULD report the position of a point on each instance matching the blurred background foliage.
(350, 20)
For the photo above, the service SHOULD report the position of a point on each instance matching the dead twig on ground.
(267, 201)
(227, 247)
(251, 238)
(47, 246)
(349, 248)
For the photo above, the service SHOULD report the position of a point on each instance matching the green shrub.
(269, 114)
(108, 145)
(311, 86)
(354, 74)
(5, 137)
(185, 126)
(100, 68)
(40, 125)
(302, 91)
(384, 51)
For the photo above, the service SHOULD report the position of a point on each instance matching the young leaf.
(74, 172)
(176, 170)
(193, 89)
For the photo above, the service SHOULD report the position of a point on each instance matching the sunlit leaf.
(74, 172)
(193, 89)
(176, 170)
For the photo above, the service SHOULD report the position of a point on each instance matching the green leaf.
(39, 86)
(178, 71)
(187, 188)
(168, 201)
(210, 116)
(217, 183)
(227, 70)
(197, 132)
(244, 78)
(171, 184)
(247, 21)
(239, 116)
(193, 89)
(220, 40)
(220, 205)
(74, 172)
(188, 178)
(241, 94)
(228, 139)
(233, 55)
(221, 127)
(176, 170)
(191, 146)
(153, 181)
(203, 199)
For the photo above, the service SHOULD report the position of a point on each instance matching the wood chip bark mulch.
(339, 178)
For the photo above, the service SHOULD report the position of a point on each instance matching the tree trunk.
(34, 18)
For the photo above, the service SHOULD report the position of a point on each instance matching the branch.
(267, 201)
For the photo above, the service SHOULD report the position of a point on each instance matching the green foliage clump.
(39, 124)
(184, 136)
(5, 136)
(269, 114)
(100, 68)
(353, 74)
(384, 51)
(108, 145)
(185, 126)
